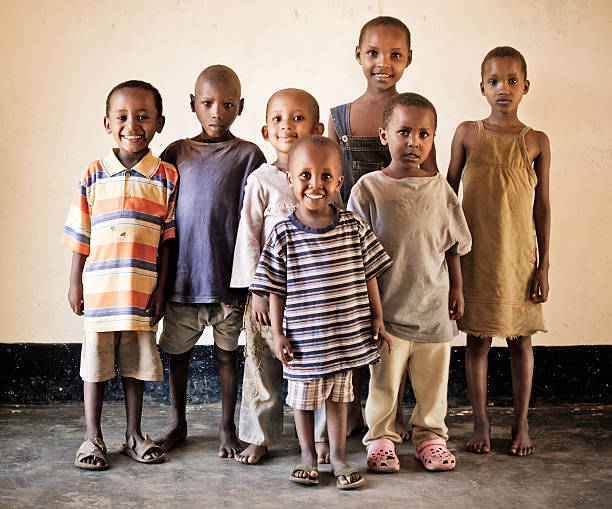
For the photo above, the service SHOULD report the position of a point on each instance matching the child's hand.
(456, 304)
(75, 297)
(380, 335)
(282, 348)
(261, 310)
(539, 285)
(156, 305)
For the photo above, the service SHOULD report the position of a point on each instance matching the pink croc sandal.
(434, 455)
(382, 457)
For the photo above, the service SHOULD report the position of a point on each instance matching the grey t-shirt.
(212, 177)
(416, 219)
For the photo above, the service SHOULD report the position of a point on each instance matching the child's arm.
(75, 290)
(541, 214)
(456, 305)
(458, 157)
(282, 347)
(157, 301)
(378, 326)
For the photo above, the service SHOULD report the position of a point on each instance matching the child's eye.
(305, 175)
(298, 118)
(143, 117)
(206, 104)
(492, 82)
(121, 117)
(403, 132)
(395, 54)
(228, 105)
(276, 118)
(513, 81)
(326, 176)
(423, 134)
(372, 52)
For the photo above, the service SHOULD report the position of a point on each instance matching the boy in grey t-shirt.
(419, 221)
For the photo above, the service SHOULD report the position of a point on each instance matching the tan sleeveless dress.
(498, 192)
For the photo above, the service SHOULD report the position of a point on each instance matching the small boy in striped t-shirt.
(319, 267)
(118, 229)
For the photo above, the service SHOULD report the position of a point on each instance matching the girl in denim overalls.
(383, 53)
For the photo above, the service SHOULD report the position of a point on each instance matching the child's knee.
(225, 358)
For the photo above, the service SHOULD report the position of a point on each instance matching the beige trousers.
(427, 365)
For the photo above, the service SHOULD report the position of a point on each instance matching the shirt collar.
(147, 166)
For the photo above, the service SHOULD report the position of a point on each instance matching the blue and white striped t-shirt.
(322, 273)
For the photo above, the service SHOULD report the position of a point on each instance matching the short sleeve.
(375, 258)
(358, 204)
(271, 273)
(460, 233)
(168, 229)
(77, 230)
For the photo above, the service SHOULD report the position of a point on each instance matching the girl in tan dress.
(504, 166)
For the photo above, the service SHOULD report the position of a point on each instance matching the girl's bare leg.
(521, 355)
(476, 366)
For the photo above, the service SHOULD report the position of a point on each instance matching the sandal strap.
(346, 472)
(145, 447)
(93, 449)
(305, 468)
(427, 443)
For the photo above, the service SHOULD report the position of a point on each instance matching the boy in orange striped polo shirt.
(118, 229)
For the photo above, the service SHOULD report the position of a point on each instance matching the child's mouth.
(314, 196)
(382, 75)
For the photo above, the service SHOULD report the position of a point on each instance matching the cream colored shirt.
(416, 219)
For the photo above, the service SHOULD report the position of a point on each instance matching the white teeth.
(314, 196)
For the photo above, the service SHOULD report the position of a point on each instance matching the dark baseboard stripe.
(49, 373)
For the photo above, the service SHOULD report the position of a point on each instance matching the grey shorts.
(184, 324)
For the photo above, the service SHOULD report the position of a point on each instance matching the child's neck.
(315, 219)
(399, 172)
(503, 120)
(204, 138)
(376, 96)
(129, 159)
(282, 162)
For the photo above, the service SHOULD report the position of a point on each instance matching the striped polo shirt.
(118, 219)
(322, 274)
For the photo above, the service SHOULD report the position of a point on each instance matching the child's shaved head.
(317, 143)
(406, 99)
(219, 74)
(505, 52)
(302, 96)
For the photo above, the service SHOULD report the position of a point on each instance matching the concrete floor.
(571, 466)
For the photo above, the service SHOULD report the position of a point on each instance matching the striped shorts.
(310, 394)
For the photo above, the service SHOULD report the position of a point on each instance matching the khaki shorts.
(311, 394)
(134, 352)
(184, 324)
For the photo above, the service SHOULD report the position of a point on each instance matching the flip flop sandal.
(137, 454)
(305, 468)
(434, 455)
(382, 457)
(346, 472)
(90, 449)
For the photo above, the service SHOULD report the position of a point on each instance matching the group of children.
(328, 264)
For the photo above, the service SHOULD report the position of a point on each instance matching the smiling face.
(410, 135)
(383, 55)
(133, 120)
(291, 114)
(503, 84)
(315, 175)
(216, 103)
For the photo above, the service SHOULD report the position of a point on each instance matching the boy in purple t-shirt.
(213, 168)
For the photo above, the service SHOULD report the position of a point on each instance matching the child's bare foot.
(401, 430)
(346, 476)
(229, 446)
(252, 454)
(172, 437)
(322, 449)
(354, 419)
(521, 443)
(481, 439)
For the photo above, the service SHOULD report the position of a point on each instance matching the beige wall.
(60, 58)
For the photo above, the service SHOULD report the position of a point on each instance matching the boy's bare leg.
(336, 431)
(228, 376)
(521, 355)
(179, 374)
(400, 427)
(132, 390)
(304, 425)
(354, 421)
(93, 398)
(476, 366)
(322, 449)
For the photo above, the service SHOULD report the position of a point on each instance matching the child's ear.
(192, 102)
(319, 129)
(264, 132)
(482, 92)
(409, 59)
(161, 122)
(107, 124)
(340, 182)
(382, 134)
(241, 107)
(358, 54)
(527, 85)
(289, 182)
